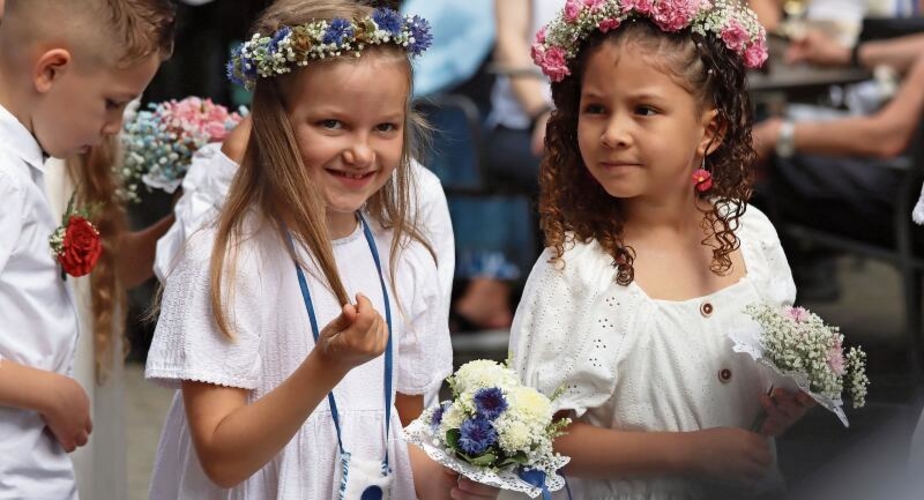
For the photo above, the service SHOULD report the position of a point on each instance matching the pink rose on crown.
(608, 24)
(756, 54)
(553, 62)
(674, 15)
(594, 5)
(640, 6)
(735, 36)
(573, 10)
(540, 35)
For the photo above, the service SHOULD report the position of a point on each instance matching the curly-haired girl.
(652, 251)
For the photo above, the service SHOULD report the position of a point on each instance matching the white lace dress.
(633, 363)
(273, 338)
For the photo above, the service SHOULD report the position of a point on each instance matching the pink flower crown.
(735, 24)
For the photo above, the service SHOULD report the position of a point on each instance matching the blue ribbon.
(535, 477)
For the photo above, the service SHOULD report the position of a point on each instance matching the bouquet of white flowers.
(802, 353)
(494, 431)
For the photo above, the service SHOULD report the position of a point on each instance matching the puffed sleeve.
(565, 335)
(188, 344)
(205, 188)
(424, 349)
(766, 261)
(11, 216)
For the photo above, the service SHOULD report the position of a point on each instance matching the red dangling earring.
(702, 179)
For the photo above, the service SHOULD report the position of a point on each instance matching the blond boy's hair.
(118, 33)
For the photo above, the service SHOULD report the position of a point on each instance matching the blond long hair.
(273, 175)
(97, 185)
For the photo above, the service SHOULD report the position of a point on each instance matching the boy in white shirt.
(67, 70)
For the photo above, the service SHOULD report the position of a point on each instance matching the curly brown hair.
(573, 207)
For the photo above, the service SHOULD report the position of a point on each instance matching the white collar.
(17, 138)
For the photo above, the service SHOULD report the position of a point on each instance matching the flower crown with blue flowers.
(295, 46)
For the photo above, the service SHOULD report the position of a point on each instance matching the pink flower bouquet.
(800, 352)
(159, 143)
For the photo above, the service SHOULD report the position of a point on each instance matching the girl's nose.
(616, 134)
(359, 154)
(113, 125)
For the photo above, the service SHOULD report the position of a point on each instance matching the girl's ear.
(714, 129)
(49, 68)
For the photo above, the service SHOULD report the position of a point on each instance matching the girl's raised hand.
(730, 455)
(784, 408)
(358, 335)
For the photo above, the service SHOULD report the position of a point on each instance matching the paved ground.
(869, 311)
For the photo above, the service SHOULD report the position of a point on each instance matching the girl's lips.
(350, 179)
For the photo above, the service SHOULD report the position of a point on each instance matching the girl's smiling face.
(349, 117)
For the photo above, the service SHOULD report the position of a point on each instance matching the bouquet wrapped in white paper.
(494, 431)
(801, 353)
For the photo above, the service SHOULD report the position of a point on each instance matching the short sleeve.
(11, 217)
(563, 337)
(188, 344)
(765, 258)
(436, 224)
(424, 349)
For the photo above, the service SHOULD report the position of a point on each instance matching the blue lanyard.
(306, 295)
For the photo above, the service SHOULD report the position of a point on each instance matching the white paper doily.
(418, 433)
(158, 182)
(747, 341)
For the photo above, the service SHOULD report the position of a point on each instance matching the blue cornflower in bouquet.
(494, 431)
(799, 352)
(159, 143)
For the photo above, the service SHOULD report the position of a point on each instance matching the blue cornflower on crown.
(295, 46)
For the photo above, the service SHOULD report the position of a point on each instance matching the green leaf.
(452, 438)
(484, 460)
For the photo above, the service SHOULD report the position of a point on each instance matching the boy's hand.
(68, 418)
(784, 408)
(731, 455)
(358, 335)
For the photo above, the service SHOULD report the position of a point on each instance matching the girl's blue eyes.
(331, 124)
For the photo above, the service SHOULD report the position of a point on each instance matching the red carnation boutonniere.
(76, 243)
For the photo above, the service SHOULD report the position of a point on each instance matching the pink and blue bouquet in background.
(800, 352)
(494, 431)
(159, 143)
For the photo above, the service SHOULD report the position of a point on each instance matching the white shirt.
(38, 318)
(209, 177)
(630, 362)
(273, 337)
